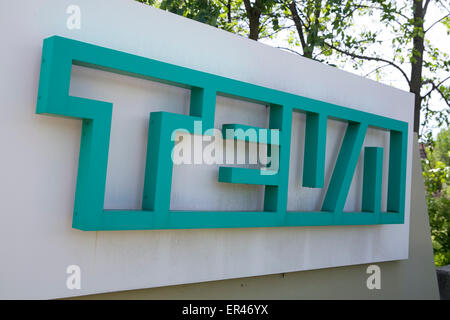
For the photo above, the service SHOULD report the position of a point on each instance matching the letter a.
(74, 280)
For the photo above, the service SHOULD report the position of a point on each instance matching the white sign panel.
(43, 256)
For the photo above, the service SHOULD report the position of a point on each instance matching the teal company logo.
(59, 54)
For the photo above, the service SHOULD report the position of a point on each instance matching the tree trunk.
(309, 42)
(417, 61)
(254, 27)
(253, 15)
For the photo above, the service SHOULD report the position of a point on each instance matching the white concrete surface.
(39, 158)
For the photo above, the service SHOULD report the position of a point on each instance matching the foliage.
(255, 20)
(398, 40)
(317, 22)
(337, 32)
(205, 11)
(436, 172)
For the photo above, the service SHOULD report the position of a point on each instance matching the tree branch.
(293, 51)
(275, 32)
(436, 22)
(357, 56)
(443, 5)
(434, 86)
(376, 69)
(298, 23)
(398, 12)
(248, 5)
(447, 101)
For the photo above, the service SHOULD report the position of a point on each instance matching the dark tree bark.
(417, 59)
(254, 15)
(308, 43)
(298, 24)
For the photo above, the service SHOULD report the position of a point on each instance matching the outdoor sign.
(142, 149)
(60, 53)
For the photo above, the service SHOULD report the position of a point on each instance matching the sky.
(389, 75)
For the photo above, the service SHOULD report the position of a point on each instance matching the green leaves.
(206, 11)
(446, 22)
(436, 173)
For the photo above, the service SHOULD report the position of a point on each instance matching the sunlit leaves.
(436, 173)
